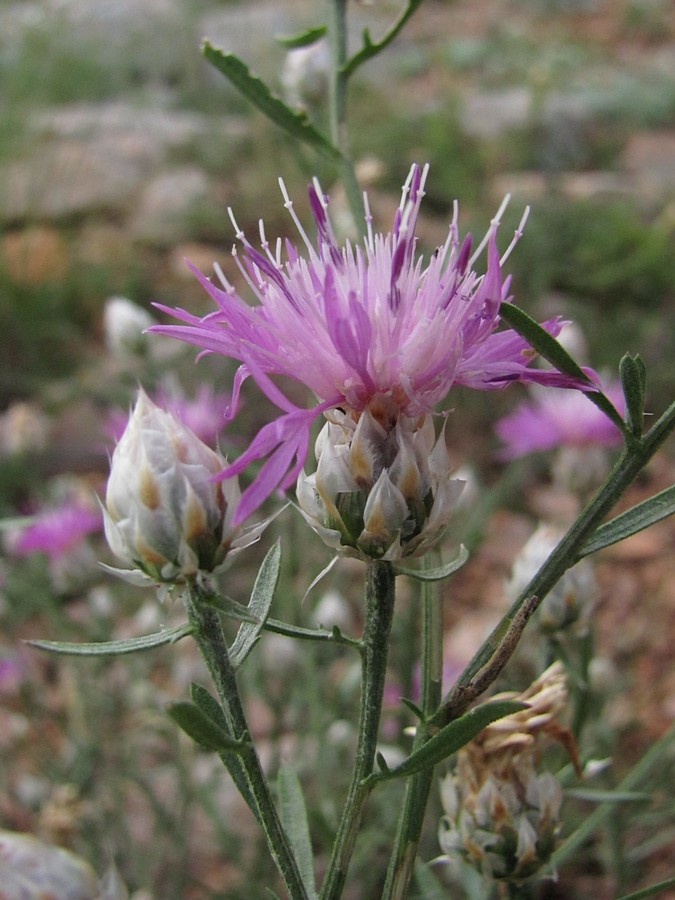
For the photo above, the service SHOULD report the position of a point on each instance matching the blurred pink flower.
(358, 323)
(554, 419)
(58, 530)
(204, 414)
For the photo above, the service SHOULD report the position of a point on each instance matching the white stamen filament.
(288, 203)
(517, 234)
(229, 288)
(494, 224)
(238, 233)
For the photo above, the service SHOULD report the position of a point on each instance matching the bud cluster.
(165, 513)
(382, 488)
(501, 815)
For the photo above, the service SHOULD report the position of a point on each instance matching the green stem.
(380, 596)
(496, 651)
(210, 640)
(338, 111)
(403, 856)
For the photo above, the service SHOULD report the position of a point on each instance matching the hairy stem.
(210, 640)
(338, 111)
(411, 820)
(380, 596)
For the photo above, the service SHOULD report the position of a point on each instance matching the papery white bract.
(357, 322)
(165, 512)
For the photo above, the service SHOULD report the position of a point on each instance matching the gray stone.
(487, 114)
(168, 205)
(72, 178)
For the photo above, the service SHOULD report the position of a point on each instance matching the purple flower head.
(58, 530)
(555, 419)
(356, 323)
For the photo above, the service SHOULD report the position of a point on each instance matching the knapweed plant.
(379, 334)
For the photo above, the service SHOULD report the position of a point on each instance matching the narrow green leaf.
(254, 89)
(439, 573)
(653, 890)
(232, 761)
(633, 384)
(114, 648)
(451, 738)
(304, 39)
(382, 762)
(635, 519)
(201, 697)
(556, 354)
(234, 610)
(417, 712)
(259, 606)
(542, 341)
(202, 728)
(294, 819)
(597, 796)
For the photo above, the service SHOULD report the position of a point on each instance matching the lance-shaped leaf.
(295, 122)
(635, 519)
(114, 648)
(259, 606)
(294, 819)
(232, 761)
(556, 354)
(437, 574)
(633, 380)
(203, 729)
(304, 39)
(451, 738)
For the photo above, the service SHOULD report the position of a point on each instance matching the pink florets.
(58, 530)
(554, 419)
(356, 322)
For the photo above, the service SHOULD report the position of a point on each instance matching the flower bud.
(571, 600)
(382, 487)
(123, 325)
(501, 814)
(165, 513)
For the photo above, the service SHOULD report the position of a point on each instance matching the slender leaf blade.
(635, 519)
(294, 819)
(259, 606)
(452, 737)
(115, 648)
(202, 728)
(632, 373)
(304, 39)
(555, 353)
(439, 573)
(201, 697)
(256, 91)
(654, 890)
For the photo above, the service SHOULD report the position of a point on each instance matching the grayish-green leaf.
(654, 890)
(296, 123)
(294, 819)
(633, 376)
(635, 519)
(202, 728)
(259, 606)
(114, 648)
(451, 738)
(304, 39)
(232, 761)
(597, 796)
(437, 574)
(556, 354)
